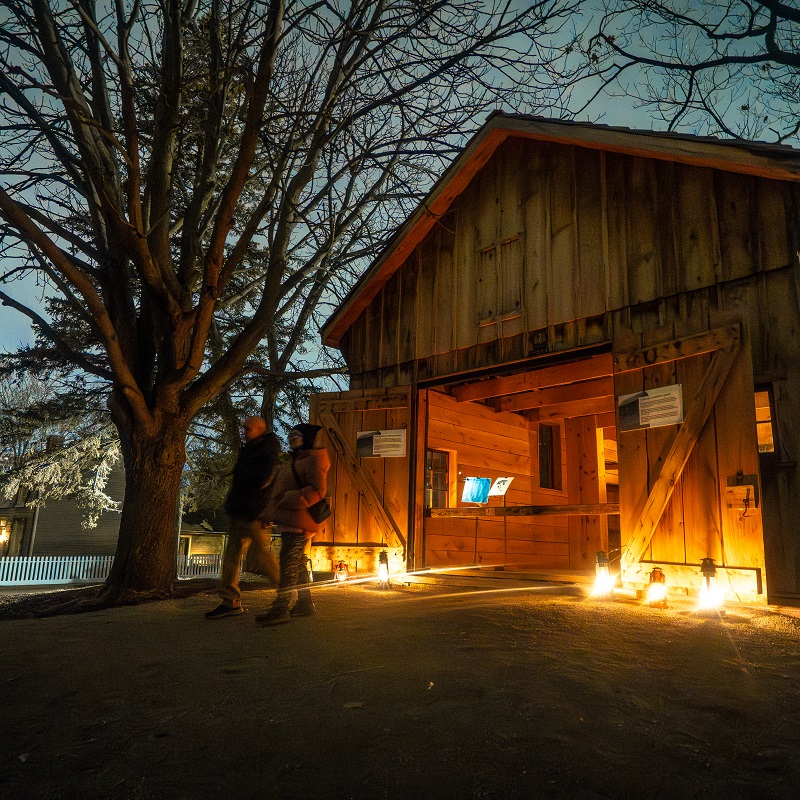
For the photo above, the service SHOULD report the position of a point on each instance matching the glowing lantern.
(383, 569)
(603, 582)
(341, 573)
(657, 590)
(711, 594)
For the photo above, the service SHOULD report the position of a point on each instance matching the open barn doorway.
(549, 430)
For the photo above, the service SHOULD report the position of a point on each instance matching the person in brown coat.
(299, 483)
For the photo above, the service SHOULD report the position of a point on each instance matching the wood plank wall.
(697, 522)
(598, 232)
(493, 445)
(350, 522)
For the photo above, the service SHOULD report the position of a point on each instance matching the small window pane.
(766, 437)
(436, 479)
(550, 457)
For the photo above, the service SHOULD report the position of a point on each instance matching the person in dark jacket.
(246, 504)
(300, 482)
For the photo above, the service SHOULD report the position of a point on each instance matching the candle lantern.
(711, 594)
(383, 569)
(603, 582)
(341, 572)
(657, 589)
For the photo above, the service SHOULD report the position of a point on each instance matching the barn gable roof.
(778, 162)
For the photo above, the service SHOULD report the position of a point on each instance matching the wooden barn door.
(690, 491)
(369, 496)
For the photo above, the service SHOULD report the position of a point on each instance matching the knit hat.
(309, 434)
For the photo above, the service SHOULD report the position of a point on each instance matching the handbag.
(321, 510)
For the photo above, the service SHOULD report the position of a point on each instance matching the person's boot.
(274, 616)
(224, 610)
(304, 608)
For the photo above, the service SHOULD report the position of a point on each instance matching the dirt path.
(418, 692)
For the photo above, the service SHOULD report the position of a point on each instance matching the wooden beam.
(706, 342)
(736, 580)
(363, 404)
(585, 369)
(606, 420)
(699, 411)
(556, 395)
(528, 511)
(576, 408)
(362, 480)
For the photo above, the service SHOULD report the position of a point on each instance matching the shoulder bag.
(321, 510)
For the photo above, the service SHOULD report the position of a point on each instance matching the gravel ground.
(421, 691)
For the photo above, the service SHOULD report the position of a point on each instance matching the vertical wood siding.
(596, 232)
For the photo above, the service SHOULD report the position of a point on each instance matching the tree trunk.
(144, 562)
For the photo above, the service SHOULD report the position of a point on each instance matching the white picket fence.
(39, 570)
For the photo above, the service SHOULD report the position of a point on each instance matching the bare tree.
(176, 169)
(720, 66)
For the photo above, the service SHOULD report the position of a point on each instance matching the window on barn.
(437, 479)
(500, 290)
(764, 422)
(550, 457)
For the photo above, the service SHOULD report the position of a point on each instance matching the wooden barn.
(609, 319)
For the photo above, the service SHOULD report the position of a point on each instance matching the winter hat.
(309, 434)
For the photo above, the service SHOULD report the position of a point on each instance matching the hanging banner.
(381, 444)
(652, 408)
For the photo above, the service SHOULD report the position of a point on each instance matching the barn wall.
(352, 523)
(553, 247)
(549, 238)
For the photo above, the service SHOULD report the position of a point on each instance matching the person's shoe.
(273, 617)
(224, 610)
(303, 610)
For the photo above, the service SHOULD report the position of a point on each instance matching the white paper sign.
(500, 487)
(651, 408)
(381, 444)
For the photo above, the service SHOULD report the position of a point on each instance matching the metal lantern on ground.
(657, 589)
(711, 594)
(383, 569)
(603, 582)
(341, 572)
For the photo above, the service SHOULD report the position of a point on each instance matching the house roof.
(778, 162)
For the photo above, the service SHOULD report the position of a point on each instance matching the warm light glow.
(341, 573)
(383, 569)
(656, 593)
(657, 590)
(712, 595)
(603, 582)
(4, 534)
